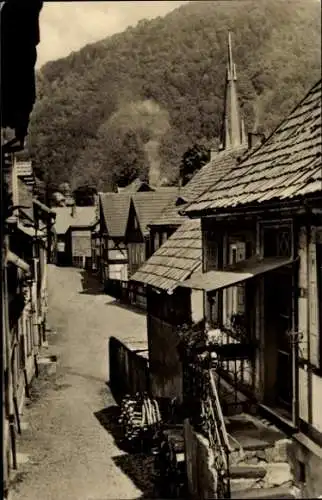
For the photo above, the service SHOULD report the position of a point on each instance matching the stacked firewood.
(140, 418)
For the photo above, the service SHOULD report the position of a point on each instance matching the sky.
(68, 26)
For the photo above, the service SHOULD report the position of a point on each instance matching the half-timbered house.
(73, 228)
(176, 245)
(262, 234)
(168, 306)
(18, 282)
(144, 207)
(113, 262)
(24, 286)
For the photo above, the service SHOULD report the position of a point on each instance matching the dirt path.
(66, 441)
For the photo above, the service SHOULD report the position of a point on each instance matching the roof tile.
(149, 205)
(115, 207)
(175, 260)
(208, 175)
(84, 216)
(288, 164)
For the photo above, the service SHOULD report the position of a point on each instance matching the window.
(147, 249)
(234, 296)
(277, 241)
(60, 246)
(28, 330)
(233, 258)
(21, 352)
(211, 251)
(156, 241)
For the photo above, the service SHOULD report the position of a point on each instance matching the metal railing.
(203, 406)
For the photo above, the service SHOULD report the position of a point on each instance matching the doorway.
(278, 302)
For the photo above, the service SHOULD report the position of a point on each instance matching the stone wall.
(202, 477)
(306, 460)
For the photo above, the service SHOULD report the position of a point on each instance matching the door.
(278, 354)
(284, 354)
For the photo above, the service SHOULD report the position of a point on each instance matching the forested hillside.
(141, 98)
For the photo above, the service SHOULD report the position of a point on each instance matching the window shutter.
(234, 297)
(303, 285)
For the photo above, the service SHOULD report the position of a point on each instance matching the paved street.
(68, 448)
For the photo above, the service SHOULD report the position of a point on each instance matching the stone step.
(247, 471)
(264, 493)
(242, 484)
(247, 443)
(254, 452)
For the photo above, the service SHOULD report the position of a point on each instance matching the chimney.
(255, 139)
(73, 210)
(214, 152)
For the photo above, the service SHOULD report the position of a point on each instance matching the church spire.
(233, 125)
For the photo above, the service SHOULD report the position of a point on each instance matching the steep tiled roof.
(287, 166)
(206, 177)
(84, 216)
(175, 260)
(149, 205)
(115, 208)
(170, 215)
(24, 193)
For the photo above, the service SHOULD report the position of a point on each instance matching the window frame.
(231, 296)
(278, 225)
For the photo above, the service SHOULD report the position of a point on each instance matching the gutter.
(255, 210)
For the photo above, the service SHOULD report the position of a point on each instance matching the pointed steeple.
(233, 125)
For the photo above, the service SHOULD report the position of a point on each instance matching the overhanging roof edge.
(212, 281)
(178, 283)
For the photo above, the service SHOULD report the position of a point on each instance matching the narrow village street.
(67, 445)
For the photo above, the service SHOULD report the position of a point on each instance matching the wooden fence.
(137, 295)
(128, 368)
(118, 289)
(127, 291)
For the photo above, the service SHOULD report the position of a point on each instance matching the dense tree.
(92, 104)
(192, 161)
(85, 195)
